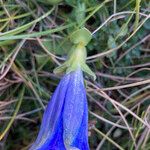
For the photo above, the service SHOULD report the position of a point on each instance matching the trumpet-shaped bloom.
(65, 121)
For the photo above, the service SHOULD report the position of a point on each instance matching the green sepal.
(81, 36)
(76, 56)
(76, 59)
(72, 68)
(60, 69)
(85, 68)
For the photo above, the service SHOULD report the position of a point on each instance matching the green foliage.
(36, 36)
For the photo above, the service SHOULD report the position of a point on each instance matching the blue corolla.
(65, 121)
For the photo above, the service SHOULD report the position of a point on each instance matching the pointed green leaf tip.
(77, 56)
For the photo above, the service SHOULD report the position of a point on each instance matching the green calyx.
(81, 36)
(77, 55)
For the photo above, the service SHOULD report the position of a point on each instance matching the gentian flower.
(65, 120)
(64, 125)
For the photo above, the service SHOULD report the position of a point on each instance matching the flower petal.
(52, 116)
(75, 109)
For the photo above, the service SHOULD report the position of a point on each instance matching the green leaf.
(111, 42)
(147, 24)
(5, 43)
(34, 34)
(26, 26)
(123, 32)
(40, 58)
(51, 2)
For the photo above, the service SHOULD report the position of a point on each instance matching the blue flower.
(65, 121)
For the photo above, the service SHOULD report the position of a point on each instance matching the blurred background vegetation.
(34, 39)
